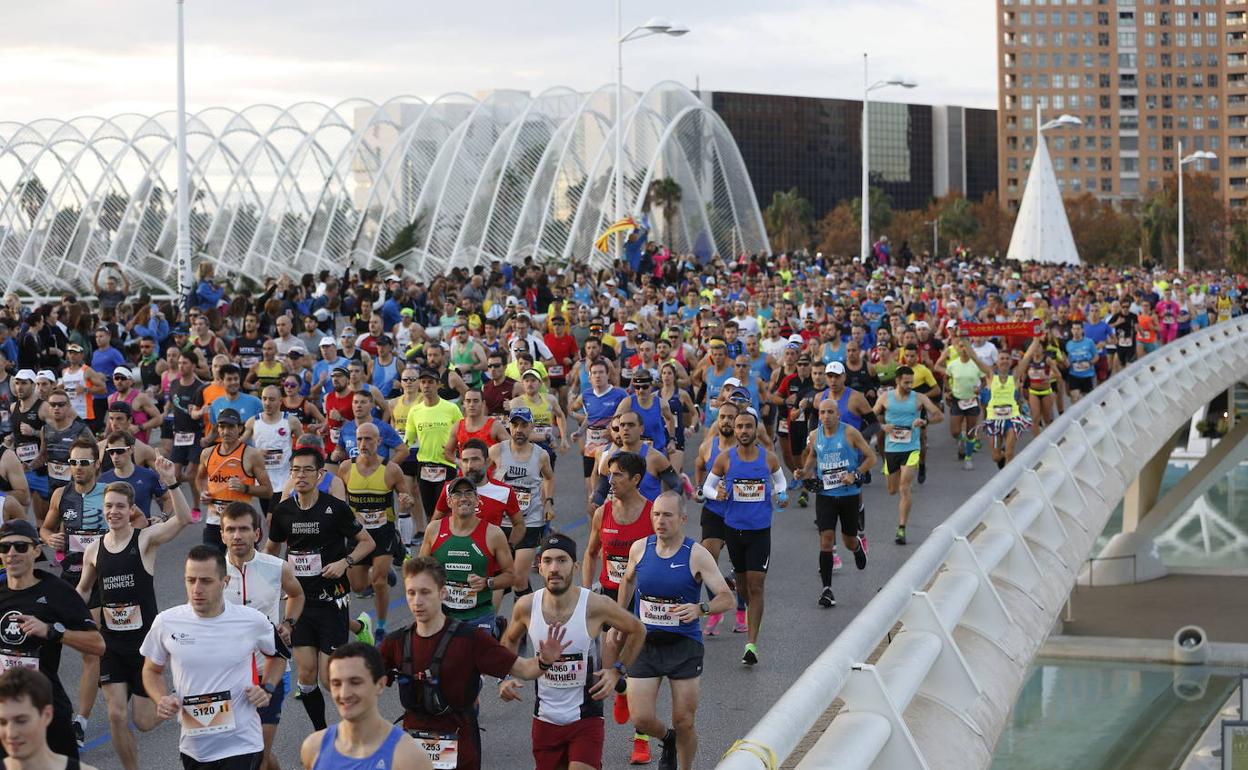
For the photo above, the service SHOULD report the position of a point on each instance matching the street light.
(1198, 155)
(654, 26)
(935, 223)
(867, 88)
(182, 247)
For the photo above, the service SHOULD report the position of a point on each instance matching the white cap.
(834, 367)
(889, 298)
(322, 314)
(46, 374)
(733, 381)
(630, 326)
(921, 325)
(119, 370)
(328, 341)
(1029, 305)
(796, 339)
(25, 374)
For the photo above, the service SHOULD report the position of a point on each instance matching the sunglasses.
(290, 385)
(120, 377)
(409, 379)
(79, 463)
(58, 404)
(20, 547)
(116, 450)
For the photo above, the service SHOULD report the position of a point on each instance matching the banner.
(625, 225)
(1016, 329)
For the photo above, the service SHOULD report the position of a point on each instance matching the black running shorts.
(669, 655)
(323, 626)
(712, 525)
(749, 550)
(845, 509)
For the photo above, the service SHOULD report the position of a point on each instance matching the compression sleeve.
(779, 482)
(710, 487)
(602, 490)
(672, 481)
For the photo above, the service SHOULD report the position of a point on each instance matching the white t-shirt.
(210, 664)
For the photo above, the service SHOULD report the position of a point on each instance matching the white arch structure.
(453, 182)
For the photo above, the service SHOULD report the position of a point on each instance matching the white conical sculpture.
(1042, 232)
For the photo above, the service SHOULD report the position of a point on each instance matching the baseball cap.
(796, 339)
(460, 481)
(50, 376)
(732, 382)
(181, 329)
(407, 311)
(385, 340)
(427, 372)
(229, 417)
(347, 331)
(73, 347)
(327, 341)
(25, 374)
(630, 326)
(22, 528)
(121, 407)
(835, 367)
(339, 366)
(922, 325)
(520, 413)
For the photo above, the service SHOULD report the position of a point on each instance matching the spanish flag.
(625, 225)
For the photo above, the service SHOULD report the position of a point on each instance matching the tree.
(1238, 246)
(1159, 220)
(838, 231)
(404, 240)
(112, 208)
(1103, 234)
(788, 220)
(881, 213)
(32, 197)
(665, 193)
(995, 227)
(957, 219)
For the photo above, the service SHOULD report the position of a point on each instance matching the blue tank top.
(650, 488)
(900, 415)
(752, 387)
(382, 759)
(760, 369)
(584, 378)
(712, 505)
(325, 482)
(652, 426)
(385, 375)
(678, 411)
(834, 456)
(714, 384)
(848, 417)
(749, 492)
(663, 583)
(831, 354)
(599, 409)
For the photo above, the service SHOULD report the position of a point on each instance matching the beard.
(727, 432)
(559, 590)
(475, 476)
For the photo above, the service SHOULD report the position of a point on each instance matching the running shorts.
(895, 461)
(556, 746)
(670, 655)
(384, 537)
(712, 525)
(323, 626)
(749, 550)
(845, 509)
(1080, 384)
(123, 668)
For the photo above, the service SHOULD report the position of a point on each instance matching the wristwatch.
(270, 689)
(706, 608)
(350, 562)
(55, 632)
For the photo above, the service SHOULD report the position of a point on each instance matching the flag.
(625, 225)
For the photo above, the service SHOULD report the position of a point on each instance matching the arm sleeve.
(600, 493)
(710, 487)
(672, 481)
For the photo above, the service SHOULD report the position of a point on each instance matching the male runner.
(899, 409)
(668, 604)
(548, 416)
(599, 403)
(390, 445)
(119, 418)
(568, 728)
(229, 471)
(27, 711)
(273, 435)
(657, 420)
(714, 532)
(324, 540)
(260, 581)
(747, 477)
(475, 424)
(139, 402)
(119, 448)
(121, 566)
(428, 427)
(364, 738)
(186, 403)
(526, 468)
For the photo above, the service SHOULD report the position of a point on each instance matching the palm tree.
(1157, 220)
(665, 193)
(788, 220)
(32, 197)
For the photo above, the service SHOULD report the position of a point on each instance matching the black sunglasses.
(19, 546)
(116, 450)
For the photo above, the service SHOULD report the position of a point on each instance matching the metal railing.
(982, 592)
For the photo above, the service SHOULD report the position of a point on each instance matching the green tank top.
(462, 556)
(1001, 398)
(461, 357)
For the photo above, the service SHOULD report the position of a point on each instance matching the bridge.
(954, 632)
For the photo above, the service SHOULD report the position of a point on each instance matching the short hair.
(628, 462)
(121, 488)
(421, 564)
(124, 436)
(18, 683)
(86, 443)
(599, 361)
(307, 451)
(365, 652)
(477, 444)
(902, 371)
(240, 510)
(210, 553)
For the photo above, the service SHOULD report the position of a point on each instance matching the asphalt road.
(734, 697)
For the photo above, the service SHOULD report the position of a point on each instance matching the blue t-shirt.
(390, 439)
(246, 405)
(146, 483)
(1082, 355)
(104, 361)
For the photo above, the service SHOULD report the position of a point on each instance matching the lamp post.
(1198, 155)
(935, 223)
(182, 248)
(867, 88)
(655, 26)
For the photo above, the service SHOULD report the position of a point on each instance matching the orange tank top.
(462, 434)
(222, 468)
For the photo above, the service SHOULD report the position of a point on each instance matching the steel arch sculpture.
(457, 181)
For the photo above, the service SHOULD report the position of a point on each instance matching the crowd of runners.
(337, 437)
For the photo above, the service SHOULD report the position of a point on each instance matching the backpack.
(420, 693)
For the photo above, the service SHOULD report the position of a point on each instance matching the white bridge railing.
(968, 611)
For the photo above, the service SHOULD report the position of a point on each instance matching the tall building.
(1142, 75)
(918, 151)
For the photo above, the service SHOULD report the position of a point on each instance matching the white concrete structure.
(979, 597)
(1042, 231)
(504, 175)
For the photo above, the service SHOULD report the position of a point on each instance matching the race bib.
(567, 673)
(554, 370)
(967, 403)
(27, 452)
(658, 612)
(181, 438)
(441, 748)
(1003, 411)
(459, 596)
(523, 499)
(58, 471)
(901, 435)
(78, 541)
(207, 714)
(123, 617)
(433, 473)
(616, 566)
(783, 427)
(334, 433)
(832, 476)
(305, 563)
(749, 490)
(541, 434)
(17, 659)
(373, 519)
(627, 374)
(1080, 366)
(273, 458)
(595, 436)
(215, 510)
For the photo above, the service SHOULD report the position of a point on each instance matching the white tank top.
(75, 384)
(274, 442)
(257, 585)
(563, 691)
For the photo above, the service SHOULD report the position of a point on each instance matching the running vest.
(462, 434)
(526, 479)
(274, 441)
(57, 443)
(247, 351)
(652, 426)
(398, 413)
(661, 585)
(598, 413)
(1002, 404)
(82, 516)
(714, 384)
(268, 373)
(462, 556)
(716, 507)
(563, 689)
(127, 596)
(835, 455)
(462, 359)
(749, 491)
(964, 377)
(617, 539)
(257, 584)
(848, 417)
(222, 468)
(75, 384)
(369, 497)
(129, 401)
(900, 416)
(385, 375)
(382, 759)
(650, 488)
(542, 429)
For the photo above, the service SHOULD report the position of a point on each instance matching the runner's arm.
(589, 566)
(451, 450)
(87, 579)
(623, 621)
(51, 532)
(705, 568)
(863, 446)
(295, 597)
(519, 624)
(506, 577)
(263, 487)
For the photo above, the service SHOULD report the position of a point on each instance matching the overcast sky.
(62, 58)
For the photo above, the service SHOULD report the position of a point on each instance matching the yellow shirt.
(923, 376)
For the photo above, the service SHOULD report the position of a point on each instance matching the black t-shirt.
(314, 538)
(51, 600)
(183, 398)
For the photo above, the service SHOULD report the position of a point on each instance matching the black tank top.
(27, 446)
(127, 594)
(82, 517)
(445, 391)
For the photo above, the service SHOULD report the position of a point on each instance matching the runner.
(260, 581)
(364, 738)
(209, 644)
(548, 417)
(185, 405)
(29, 413)
(657, 420)
(372, 484)
(14, 489)
(273, 435)
(669, 607)
(390, 446)
(244, 405)
(901, 410)
(568, 727)
(526, 468)
(1005, 421)
(475, 424)
(82, 383)
(1041, 372)
(229, 471)
(120, 567)
(39, 616)
(564, 352)
(1082, 353)
(710, 374)
(119, 448)
(836, 466)
(598, 403)
(428, 427)
(61, 430)
(126, 393)
(27, 711)
(722, 438)
(324, 540)
(337, 404)
(659, 470)
(965, 373)
(118, 418)
(439, 663)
